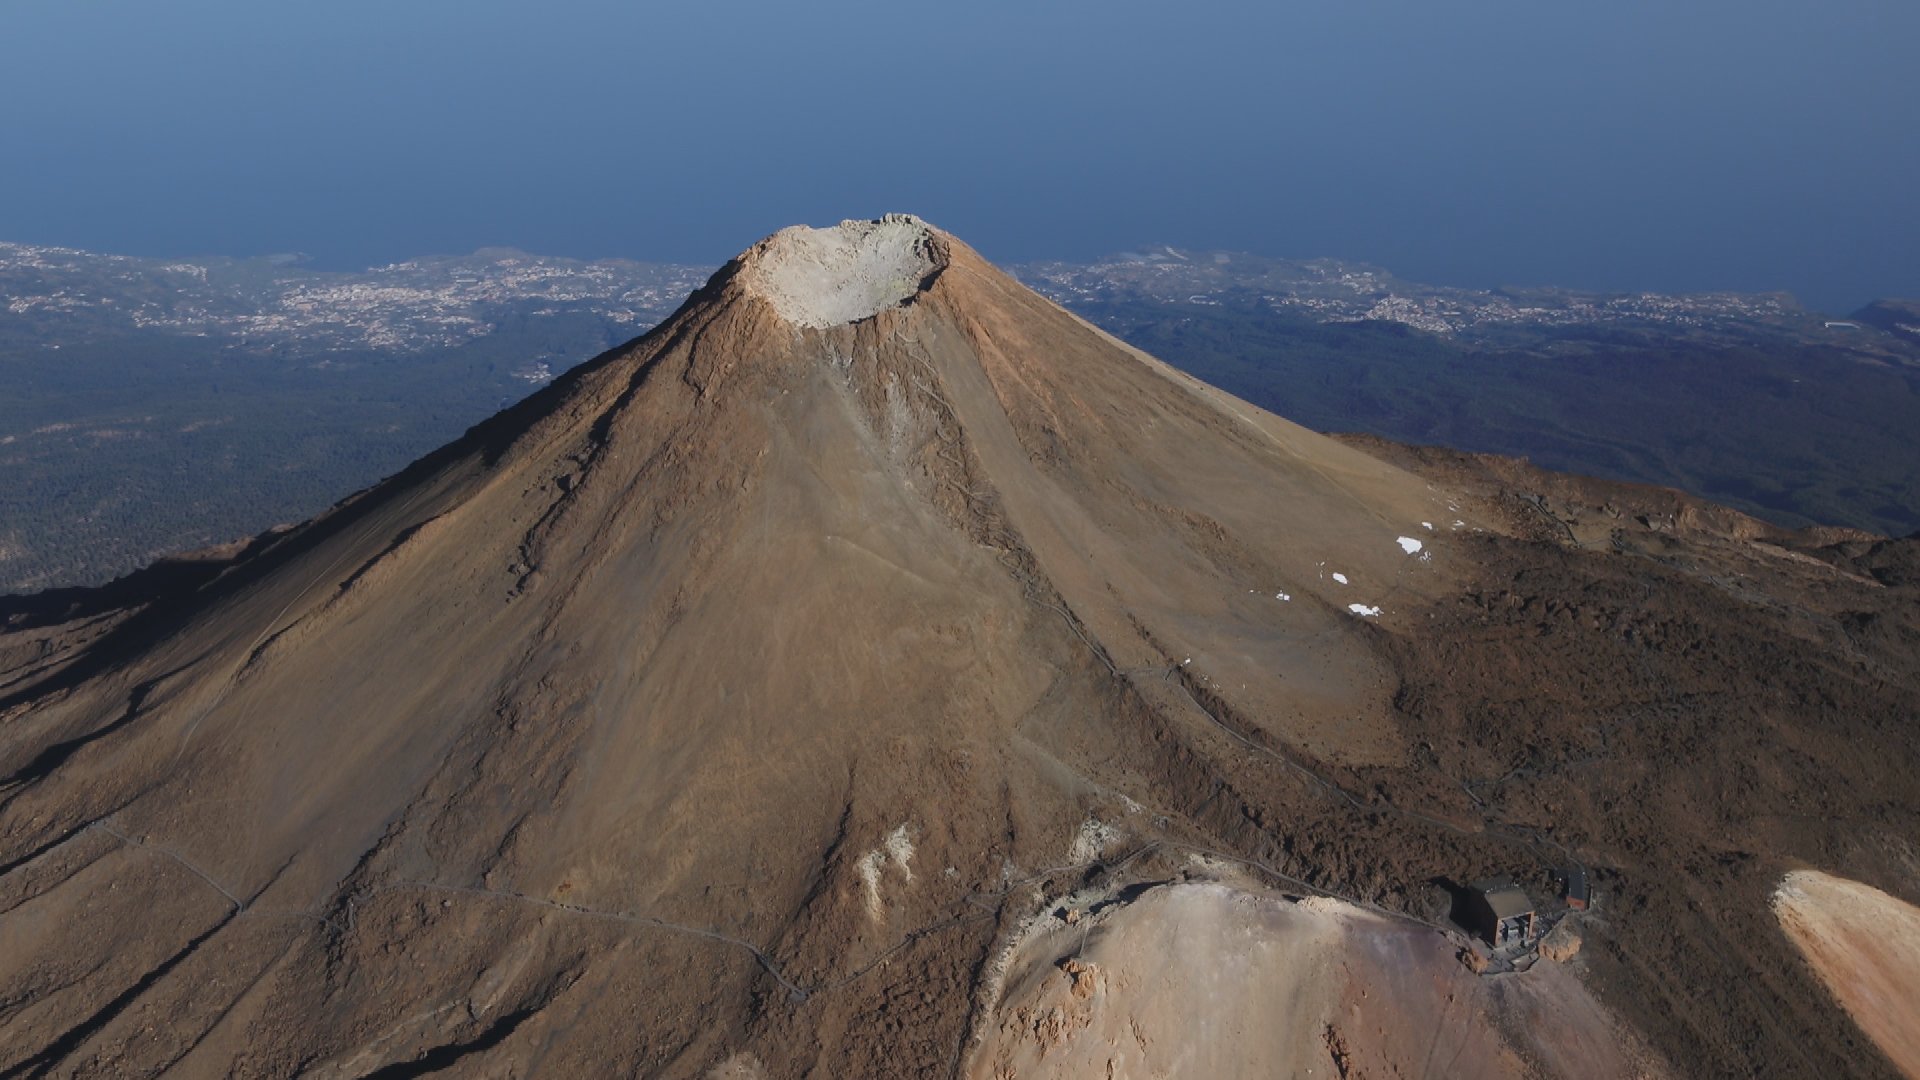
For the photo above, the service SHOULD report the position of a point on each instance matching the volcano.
(875, 670)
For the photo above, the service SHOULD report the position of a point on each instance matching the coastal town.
(442, 301)
(415, 305)
(1337, 291)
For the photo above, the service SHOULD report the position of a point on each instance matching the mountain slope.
(740, 699)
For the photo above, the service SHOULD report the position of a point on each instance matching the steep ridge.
(738, 700)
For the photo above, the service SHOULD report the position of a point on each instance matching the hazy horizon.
(1748, 147)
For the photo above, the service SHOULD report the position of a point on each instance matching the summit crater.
(823, 277)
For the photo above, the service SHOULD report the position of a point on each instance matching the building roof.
(1577, 883)
(1505, 899)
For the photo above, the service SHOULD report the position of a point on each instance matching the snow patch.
(1409, 545)
(1364, 611)
(1341, 578)
(1282, 596)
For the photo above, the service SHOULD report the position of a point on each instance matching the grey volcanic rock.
(826, 277)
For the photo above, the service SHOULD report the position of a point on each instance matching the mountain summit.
(876, 670)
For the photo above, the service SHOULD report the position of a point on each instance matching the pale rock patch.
(819, 278)
(1093, 839)
(1562, 943)
(741, 1066)
(1865, 946)
(899, 848)
(896, 850)
(1210, 980)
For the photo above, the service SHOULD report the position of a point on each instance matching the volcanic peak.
(819, 278)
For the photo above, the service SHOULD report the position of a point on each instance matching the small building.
(1503, 912)
(1577, 895)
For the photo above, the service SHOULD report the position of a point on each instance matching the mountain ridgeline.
(152, 406)
(877, 670)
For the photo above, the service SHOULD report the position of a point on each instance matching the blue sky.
(1701, 144)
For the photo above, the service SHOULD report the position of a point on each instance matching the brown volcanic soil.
(1865, 945)
(1693, 701)
(735, 701)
